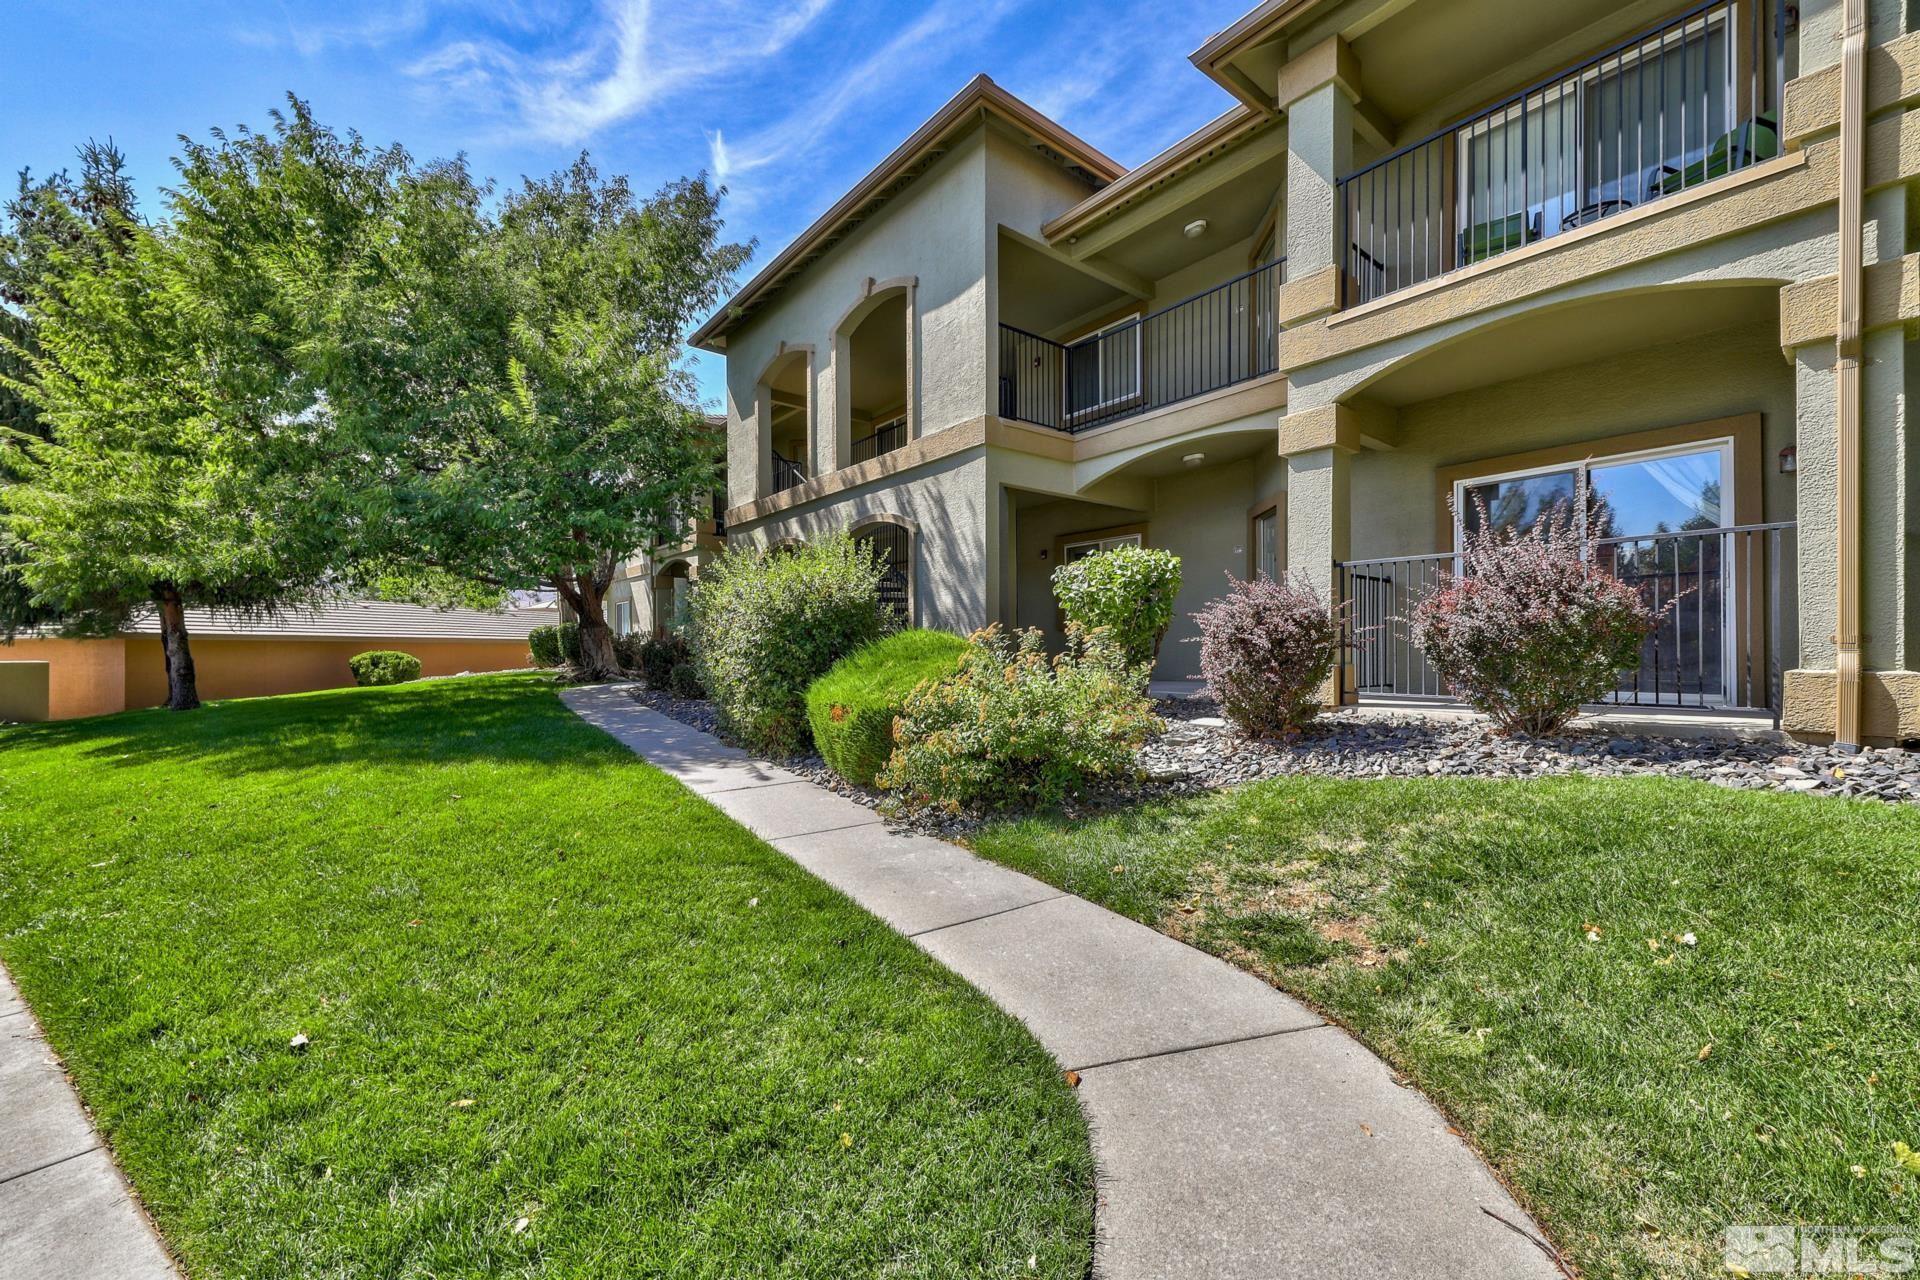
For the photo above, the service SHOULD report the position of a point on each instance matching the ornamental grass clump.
(766, 624)
(1533, 625)
(1012, 728)
(1128, 593)
(1266, 649)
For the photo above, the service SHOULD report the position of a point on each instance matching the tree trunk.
(183, 692)
(587, 599)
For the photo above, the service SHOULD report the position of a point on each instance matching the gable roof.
(1215, 58)
(981, 98)
(360, 620)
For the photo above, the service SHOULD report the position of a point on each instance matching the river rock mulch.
(1199, 752)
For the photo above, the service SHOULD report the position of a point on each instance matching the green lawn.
(565, 1018)
(1519, 950)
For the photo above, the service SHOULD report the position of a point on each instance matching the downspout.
(1847, 370)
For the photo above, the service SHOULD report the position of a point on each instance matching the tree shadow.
(504, 719)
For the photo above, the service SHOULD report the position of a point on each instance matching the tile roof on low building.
(361, 620)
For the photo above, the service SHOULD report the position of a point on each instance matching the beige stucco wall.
(1202, 515)
(1396, 503)
(934, 232)
(944, 505)
(85, 677)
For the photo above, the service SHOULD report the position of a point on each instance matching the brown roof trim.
(980, 96)
(1250, 29)
(1228, 127)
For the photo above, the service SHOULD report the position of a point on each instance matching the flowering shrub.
(1533, 626)
(767, 624)
(1127, 592)
(1266, 648)
(1011, 727)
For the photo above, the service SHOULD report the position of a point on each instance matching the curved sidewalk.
(1236, 1135)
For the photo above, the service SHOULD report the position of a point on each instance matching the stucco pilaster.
(1319, 153)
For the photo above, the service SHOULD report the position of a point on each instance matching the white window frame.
(623, 618)
(1100, 353)
(1099, 545)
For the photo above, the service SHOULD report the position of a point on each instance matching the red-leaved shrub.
(1266, 648)
(1533, 625)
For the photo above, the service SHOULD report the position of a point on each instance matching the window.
(1659, 512)
(1073, 551)
(1103, 368)
(1266, 543)
(623, 618)
(1663, 491)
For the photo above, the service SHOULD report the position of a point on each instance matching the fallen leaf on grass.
(1906, 1157)
(1706, 1051)
(461, 1102)
(846, 1140)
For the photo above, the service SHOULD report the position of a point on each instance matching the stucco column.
(1319, 514)
(1317, 90)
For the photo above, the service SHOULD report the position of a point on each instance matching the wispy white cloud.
(633, 57)
(929, 42)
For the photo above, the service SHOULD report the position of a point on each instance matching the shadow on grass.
(507, 718)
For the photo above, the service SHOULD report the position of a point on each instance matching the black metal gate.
(892, 548)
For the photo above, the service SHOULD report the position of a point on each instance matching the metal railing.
(1679, 105)
(787, 473)
(1726, 631)
(1225, 335)
(882, 439)
(717, 504)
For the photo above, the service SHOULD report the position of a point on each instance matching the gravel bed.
(1198, 752)
(1199, 747)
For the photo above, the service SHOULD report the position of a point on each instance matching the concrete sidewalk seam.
(28, 1173)
(1004, 911)
(1198, 1048)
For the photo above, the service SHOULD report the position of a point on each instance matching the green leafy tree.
(58, 214)
(142, 490)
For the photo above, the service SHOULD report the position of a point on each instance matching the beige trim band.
(915, 453)
(1808, 309)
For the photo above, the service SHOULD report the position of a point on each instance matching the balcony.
(1666, 111)
(882, 439)
(1226, 335)
(1727, 633)
(787, 474)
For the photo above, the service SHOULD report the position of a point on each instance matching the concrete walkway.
(1236, 1135)
(65, 1211)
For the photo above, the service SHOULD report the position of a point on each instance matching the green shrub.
(626, 650)
(383, 666)
(851, 709)
(1013, 728)
(684, 682)
(1127, 592)
(766, 625)
(659, 655)
(555, 644)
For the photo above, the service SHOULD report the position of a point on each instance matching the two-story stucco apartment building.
(1441, 261)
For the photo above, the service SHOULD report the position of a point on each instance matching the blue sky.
(787, 101)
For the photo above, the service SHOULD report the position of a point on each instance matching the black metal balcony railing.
(1675, 107)
(1226, 335)
(883, 439)
(717, 502)
(787, 473)
(1722, 643)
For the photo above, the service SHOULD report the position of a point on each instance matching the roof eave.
(1223, 129)
(1215, 57)
(980, 95)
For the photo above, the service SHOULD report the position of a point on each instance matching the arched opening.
(891, 543)
(670, 588)
(876, 386)
(786, 399)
